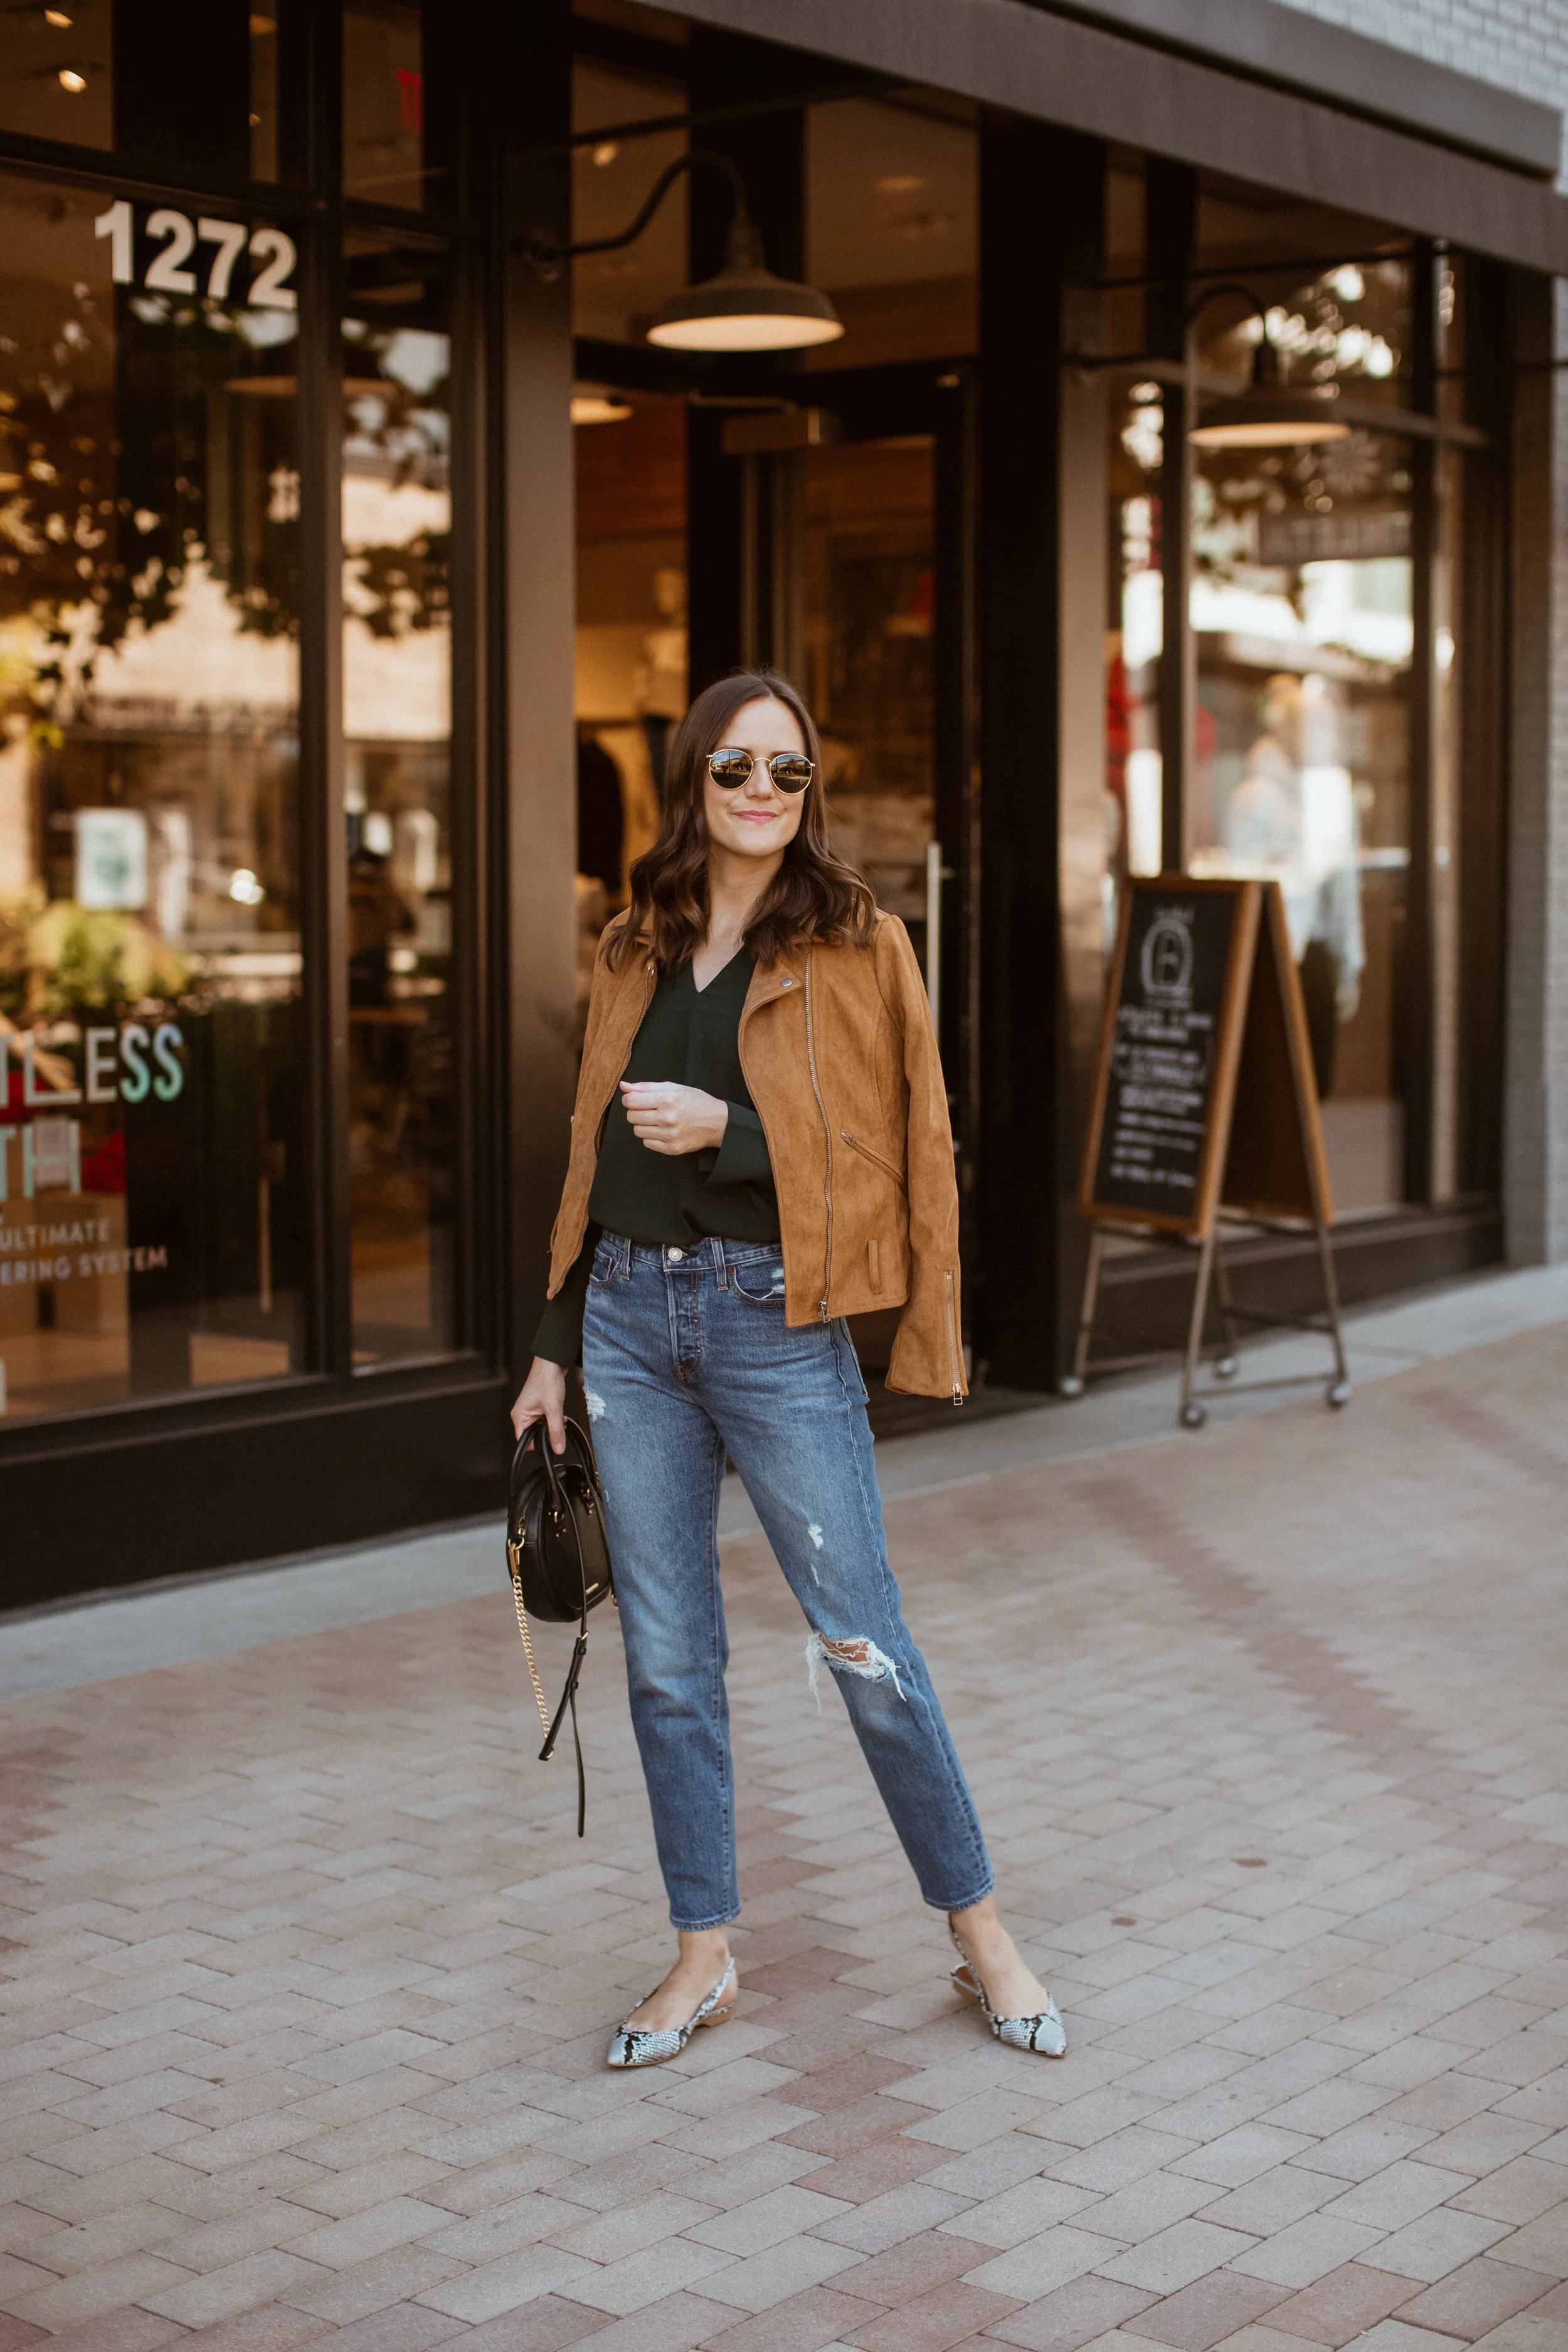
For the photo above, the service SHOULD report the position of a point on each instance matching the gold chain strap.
(515, 1565)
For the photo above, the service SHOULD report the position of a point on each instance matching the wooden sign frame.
(1261, 1157)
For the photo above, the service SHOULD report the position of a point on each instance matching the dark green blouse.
(691, 1037)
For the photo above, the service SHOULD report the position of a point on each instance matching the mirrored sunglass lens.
(790, 772)
(730, 766)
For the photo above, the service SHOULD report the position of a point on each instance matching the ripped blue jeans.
(686, 1353)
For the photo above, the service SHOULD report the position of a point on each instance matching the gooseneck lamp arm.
(1266, 359)
(744, 248)
(1265, 362)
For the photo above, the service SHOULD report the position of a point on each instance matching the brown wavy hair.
(814, 897)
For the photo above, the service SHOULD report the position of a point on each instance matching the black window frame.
(313, 208)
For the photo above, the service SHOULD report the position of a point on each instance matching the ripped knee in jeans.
(860, 1658)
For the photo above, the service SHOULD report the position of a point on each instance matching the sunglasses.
(729, 767)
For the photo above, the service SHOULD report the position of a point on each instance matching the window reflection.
(631, 667)
(57, 78)
(397, 703)
(384, 103)
(1302, 613)
(1135, 641)
(613, 294)
(870, 592)
(892, 231)
(193, 86)
(150, 1065)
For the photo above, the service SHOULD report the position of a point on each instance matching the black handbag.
(560, 1563)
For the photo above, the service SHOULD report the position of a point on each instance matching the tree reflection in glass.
(150, 959)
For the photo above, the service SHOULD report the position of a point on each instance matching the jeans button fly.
(676, 1254)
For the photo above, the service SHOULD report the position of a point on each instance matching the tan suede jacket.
(841, 1061)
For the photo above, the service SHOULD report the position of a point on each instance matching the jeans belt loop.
(719, 1262)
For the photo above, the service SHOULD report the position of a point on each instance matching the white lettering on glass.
(272, 248)
(146, 1257)
(166, 1043)
(31, 1094)
(134, 1041)
(229, 238)
(178, 232)
(268, 291)
(116, 226)
(103, 1048)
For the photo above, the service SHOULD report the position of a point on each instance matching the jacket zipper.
(874, 1157)
(827, 1140)
(952, 1345)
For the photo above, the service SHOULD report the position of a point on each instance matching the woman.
(761, 1148)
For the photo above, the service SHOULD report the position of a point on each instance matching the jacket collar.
(783, 977)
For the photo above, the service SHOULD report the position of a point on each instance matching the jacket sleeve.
(928, 1352)
(598, 994)
(558, 1338)
(743, 1157)
(598, 1003)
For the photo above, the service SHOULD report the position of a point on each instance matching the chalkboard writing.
(1203, 1099)
(1163, 1051)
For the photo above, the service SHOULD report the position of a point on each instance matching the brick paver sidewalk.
(307, 1984)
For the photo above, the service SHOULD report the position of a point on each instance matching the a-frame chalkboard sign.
(1204, 1102)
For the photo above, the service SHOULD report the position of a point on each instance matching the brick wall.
(1519, 45)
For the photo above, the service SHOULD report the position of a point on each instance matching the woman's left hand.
(674, 1119)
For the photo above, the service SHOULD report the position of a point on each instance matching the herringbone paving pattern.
(307, 1983)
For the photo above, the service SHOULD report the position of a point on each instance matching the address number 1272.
(178, 238)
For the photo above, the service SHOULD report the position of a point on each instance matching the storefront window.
(56, 74)
(384, 103)
(614, 294)
(892, 231)
(193, 86)
(397, 725)
(631, 671)
(1135, 638)
(152, 1170)
(1302, 614)
(1449, 1073)
(1452, 792)
(870, 597)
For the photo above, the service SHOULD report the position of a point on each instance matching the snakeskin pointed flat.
(635, 2046)
(1044, 2034)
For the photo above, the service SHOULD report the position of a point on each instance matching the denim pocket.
(602, 1272)
(760, 1279)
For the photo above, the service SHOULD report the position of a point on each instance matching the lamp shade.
(1268, 414)
(595, 403)
(745, 310)
(1268, 420)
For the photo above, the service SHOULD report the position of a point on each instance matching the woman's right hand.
(542, 1396)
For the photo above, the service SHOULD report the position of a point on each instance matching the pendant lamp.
(1268, 414)
(744, 307)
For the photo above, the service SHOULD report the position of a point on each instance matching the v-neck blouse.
(689, 1036)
